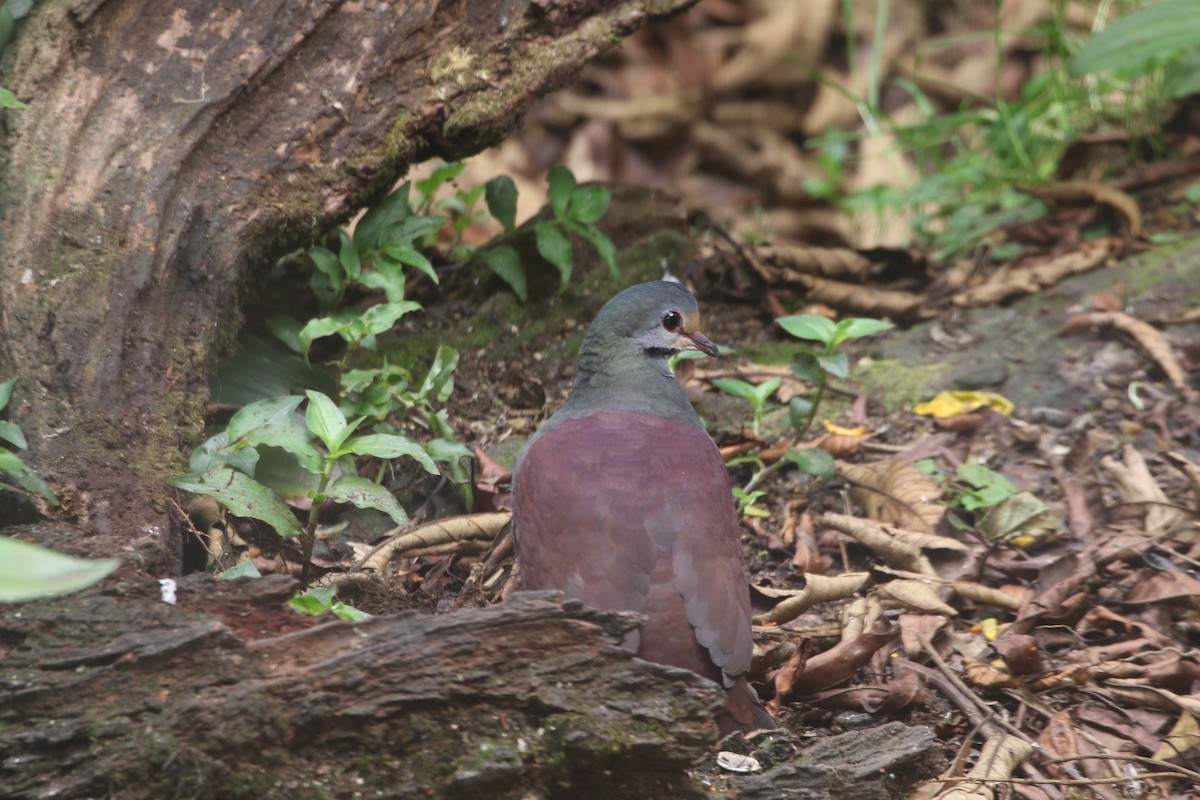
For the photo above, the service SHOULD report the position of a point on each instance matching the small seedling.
(756, 394)
(317, 600)
(17, 475)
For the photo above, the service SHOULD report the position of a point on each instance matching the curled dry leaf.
(1191, 471)
(895, 552)
(985, 595)
(1183, 740)
(1150, 697)
(1009, 282)
(860, 615)
(1020, 653)
(840, 662)
(915, 627)
(1136, 486)
(1082, 192)
(912, 595)
(439, 537)
(816, 589)
(998, 759)
(1149, 338)
(985, 676)
(895, 492)
(786, 262)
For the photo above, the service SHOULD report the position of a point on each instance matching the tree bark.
(173, 149)
(116, 694)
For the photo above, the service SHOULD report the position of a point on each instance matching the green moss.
(898, 385)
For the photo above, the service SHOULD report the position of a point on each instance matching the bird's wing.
(613, 508)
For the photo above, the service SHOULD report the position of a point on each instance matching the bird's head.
(661, 318)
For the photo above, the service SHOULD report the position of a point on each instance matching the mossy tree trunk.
(171, 149)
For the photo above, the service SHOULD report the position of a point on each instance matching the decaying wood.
(116, 694)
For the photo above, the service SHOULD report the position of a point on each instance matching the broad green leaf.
(243, 496)
(389, 445)
(330, 266)
(800, 411)
(365, 493)
(272, 411)
(388, 276)
(370, 231)
(560, 186)
(767, 388)
(438, 381)
(1154, 32)
(451, 453)
(347, 612)
(505, 262)
(808, 326)
(11, 433)
(348, 257)
(836, 364)
(806, 367)
(243, 569)
(603, 246)
(444, 172)
(858, 327)
(414, 228)
(318, 328)
(216, 452)
(12, 465)
(737, 388)
(290, 437)
(325, 419)
(380, 319)
(6, 390)
(588, 203)
(315, 601)
(501, 195)
(29, 571)
(406, 254)
(287, 330)
(554, 246)
(9, 100)
(813, 461)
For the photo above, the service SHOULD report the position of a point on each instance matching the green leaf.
(737, 388)
(603, 245)
(365, 493)
(330, 266)
(272, 411)
(12, 465)
(767, 388)
(800, 411)
(588, 203)
(387, 276)
(319, 328)
(451, 453)
(1152, 33)
(287, 330)
(29, 571)
(290, 437)
(807, 367)
(407, 254)
(347, 612)
(9, 100)
(315, 601)
(501, 195)
(438, 383)
(836, 364)
(369, 233)
(554, 246)
(809, 326)
(389, 445)
(441, 174)
(348, 257)
(216, 452)
(505, 262)
(813, 461)
(243, 496)
(11, 433)
(380, 319)
(325, 420)
(560, 186)
(243, 569)
(858, 327)
(6, 390)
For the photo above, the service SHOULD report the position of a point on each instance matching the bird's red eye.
(673, 321)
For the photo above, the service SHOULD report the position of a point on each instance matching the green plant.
(970, 159)
(815, 368)
(29, 572)
(575, 209)
(317, 600)
(224, 466)
(977, 487)
(21, 478)
(756, 394)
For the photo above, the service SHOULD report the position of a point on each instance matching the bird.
(621, 500)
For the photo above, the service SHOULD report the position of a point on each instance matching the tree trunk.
(172, 149)
(117, 694)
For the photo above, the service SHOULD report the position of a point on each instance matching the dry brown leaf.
(859, 615)
(1134, 483)
(985, 676)
(915, 627)
(1009, 282)
(879, 539)
(438, 537)
(840, 662)
(836, 263)
(1020, 653)
(985, 595)
(919, 596)
(1152, 697)
(998, 759)
(1089, 193)
(866, 300)
(817, 589)
(1191, 471)
(1182, 741)
(896, 492)
(1149, 338)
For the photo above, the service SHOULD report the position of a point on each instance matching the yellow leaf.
(838, 430)
(952, 404)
